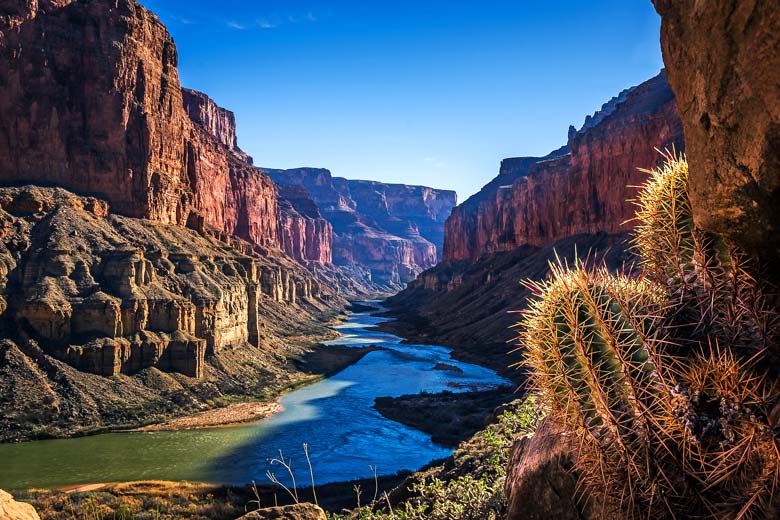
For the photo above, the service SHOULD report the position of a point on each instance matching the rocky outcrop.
(304, 233)
(540, 482)
(383, 233)
(723, 63)
(13, 510)
(217, 121)
(97, 108)
(110, 294)
(91, 101)
(293, 512)
(585, 187)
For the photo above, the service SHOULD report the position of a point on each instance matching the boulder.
(540, 483)
(293, 512)
(10, 509)
(723, 62)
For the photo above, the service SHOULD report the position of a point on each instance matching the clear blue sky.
(419, 92)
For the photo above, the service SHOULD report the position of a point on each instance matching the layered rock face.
(111, 294)
(724, 66)
(303, 231)
(97, 108)
(91, 101)
(584, 187)
(387, 233)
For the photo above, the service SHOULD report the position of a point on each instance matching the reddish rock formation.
(540, 482)
(97, 108)
(723, 61)
(91, 101)
(381, 232)
(304, 233)
(537, 201)
(113, 295)
(217, 121)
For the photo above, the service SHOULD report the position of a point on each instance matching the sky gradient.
(425, 92)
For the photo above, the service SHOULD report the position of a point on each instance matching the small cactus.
(592, 340)
(725, 436)
(711, 292)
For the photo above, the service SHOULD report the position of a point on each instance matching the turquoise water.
(345, 435)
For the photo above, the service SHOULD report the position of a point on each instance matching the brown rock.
(12, 510)
(114, 295)
(585, 187)
(303, 232)
(723, 62)
(540, 482)
(293, 512)
(97, 108)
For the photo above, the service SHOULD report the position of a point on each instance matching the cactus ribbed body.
(705, 278)
(592, 340)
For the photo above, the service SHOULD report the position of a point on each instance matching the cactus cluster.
(657, 375)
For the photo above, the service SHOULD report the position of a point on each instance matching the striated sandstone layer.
(585, 187)
(153, 311)
(723, 61)
(92, 103)
(383, 234)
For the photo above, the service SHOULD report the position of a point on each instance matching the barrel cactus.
(593, 342)
(710, 289)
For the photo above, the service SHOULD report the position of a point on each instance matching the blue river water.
(345, 435)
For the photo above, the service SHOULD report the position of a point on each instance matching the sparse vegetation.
(471, 489)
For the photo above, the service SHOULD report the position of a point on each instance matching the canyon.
(385, 234)
(149, 268)
(574, 202)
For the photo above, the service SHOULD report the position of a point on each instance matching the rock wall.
(304, 233)
(111, 294)
(584, 187)
(723, 63)
(92, 102)
(383, 233)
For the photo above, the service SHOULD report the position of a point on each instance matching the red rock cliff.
(91, 101)
(723, 61)
(537, 201)
(385, 233)
(304, 233)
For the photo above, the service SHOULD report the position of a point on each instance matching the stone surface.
(109, 320)
(293, 512)
(303, 232)
(584, 187)
(383, 233)
(91, 101)
(723, 62)
(540, 482)
(13, 510)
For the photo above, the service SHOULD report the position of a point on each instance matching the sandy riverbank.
(231, 415)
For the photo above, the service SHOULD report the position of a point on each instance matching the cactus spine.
(691, 436)
(705, 278)
(592, 341)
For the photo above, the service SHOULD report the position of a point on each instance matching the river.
(334, 417)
